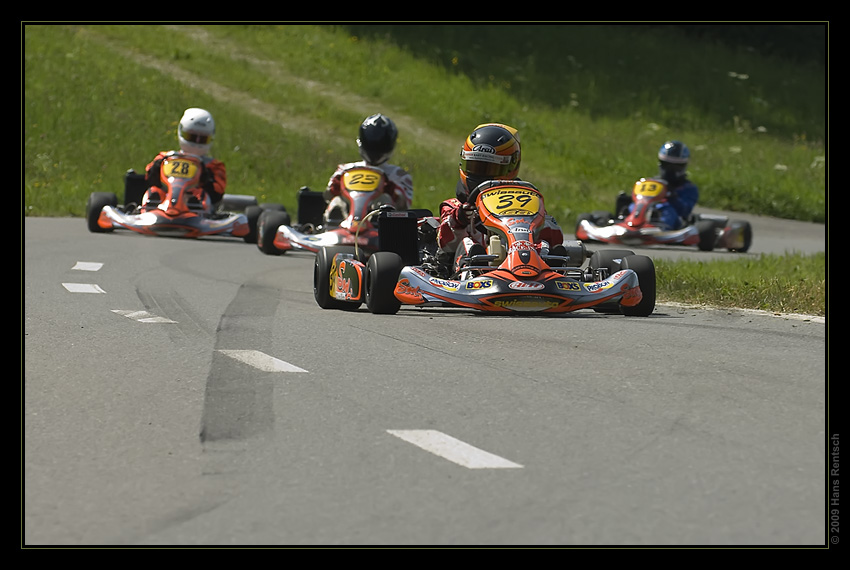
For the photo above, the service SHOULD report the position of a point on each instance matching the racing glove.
(463, 215)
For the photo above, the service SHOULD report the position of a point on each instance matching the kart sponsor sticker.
(567, 285)
(526, 285)
(530, 303)
(598, 286)
(631, 297)
(482, 284)
(521, 246)
(406, 293)
(444, 283)
(346, 282)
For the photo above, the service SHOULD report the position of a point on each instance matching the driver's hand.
(463, 215)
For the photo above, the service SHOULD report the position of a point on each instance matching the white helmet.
(196, 131)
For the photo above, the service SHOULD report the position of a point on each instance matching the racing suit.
(213, 176)
(399, 185)
(457, 232)
(682, 198)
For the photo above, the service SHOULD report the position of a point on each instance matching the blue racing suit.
(682, 198)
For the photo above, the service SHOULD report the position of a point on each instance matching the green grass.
(593, 104)
(792, 283)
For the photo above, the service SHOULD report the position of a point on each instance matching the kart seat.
(135, 187)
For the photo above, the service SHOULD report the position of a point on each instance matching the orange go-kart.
(185, 211)
(517, 275)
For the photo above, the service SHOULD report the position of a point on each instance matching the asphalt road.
(191, 392)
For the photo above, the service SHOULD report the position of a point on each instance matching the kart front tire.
(645, 269)
(322, 279)
(253, 215)
(267, 226)
(95, 204)
(382, 271)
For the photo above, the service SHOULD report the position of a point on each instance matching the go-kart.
(639, 227)
(351, 219)
(185, 210)
(516, 274)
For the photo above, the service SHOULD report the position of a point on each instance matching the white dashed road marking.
(87, 266)
(83, 288)
(261, 361)
(142, 316)
(453, 449)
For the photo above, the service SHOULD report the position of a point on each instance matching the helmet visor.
(487, 165)
(197, 138)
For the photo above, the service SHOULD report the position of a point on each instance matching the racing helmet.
(376, 139)
(673, 159)
(196, 131)
(490, 152)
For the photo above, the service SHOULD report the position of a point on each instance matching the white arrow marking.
(261, 361)
(83, 288)
(453, 449)
(142, 316)
(87, 266)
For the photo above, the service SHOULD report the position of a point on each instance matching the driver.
(376, 142)
(490, 152)
(195, 131)
(673, 157)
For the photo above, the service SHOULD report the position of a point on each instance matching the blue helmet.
(673, 157)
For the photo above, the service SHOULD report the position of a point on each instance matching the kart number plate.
(648, 188)
(512, 202)
(361, 180)
(179, 168)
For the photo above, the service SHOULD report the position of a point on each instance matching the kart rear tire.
(267, 226)
(645, 269)
(95, 204)
(321, 279)
(612, 260)
(382, 271)
(747, 232)
(274, 207)
(707, 235)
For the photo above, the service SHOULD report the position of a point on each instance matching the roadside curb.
(787, 316)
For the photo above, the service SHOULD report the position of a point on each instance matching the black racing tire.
(707, 235)
(322, 279)
(267, 225)
(273, 206)
(95, 204)
(747, 231)
(610, 258)
(645, 269)
(382, 271)
(253, 215)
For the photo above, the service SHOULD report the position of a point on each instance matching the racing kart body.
(350, 220)
(516, 275)
(185, 211)
(640, 228)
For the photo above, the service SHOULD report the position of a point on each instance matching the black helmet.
(673, 157)
(377, 139)
(490, 152)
